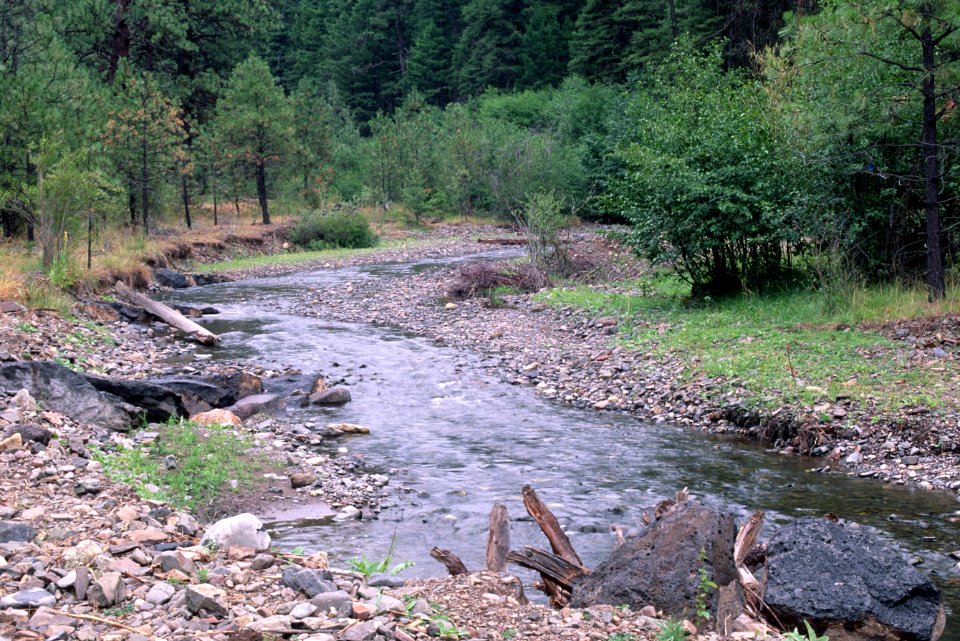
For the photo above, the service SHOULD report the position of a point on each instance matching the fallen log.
(498, 540)
(167, 315)
(550, 526)
(502, 241)
(450, 560)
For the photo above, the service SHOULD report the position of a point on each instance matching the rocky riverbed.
(574, 357)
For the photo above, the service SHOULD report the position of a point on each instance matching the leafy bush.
(706, 180)
(333, 229)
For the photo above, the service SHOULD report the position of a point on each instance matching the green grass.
(779, 348)
(207, 458)
(299, 258)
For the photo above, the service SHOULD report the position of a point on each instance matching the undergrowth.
(187, 465)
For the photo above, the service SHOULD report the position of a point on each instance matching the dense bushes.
(333, 229)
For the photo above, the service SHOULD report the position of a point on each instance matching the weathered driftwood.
(550, 526)
(498, 540)
(167, 315)
(502, 241)
(450, 560)
(557, 573)
(746, 539)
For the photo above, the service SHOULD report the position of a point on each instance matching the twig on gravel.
(116, 624)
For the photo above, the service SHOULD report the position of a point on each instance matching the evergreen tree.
(253, 123)
(544, 46)
(488, 53)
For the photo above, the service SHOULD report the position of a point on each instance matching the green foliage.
(333, 229)
(253, 123)
(543, 218)
(705, 181)
(203, 575)
(671, 630)
(622, 636)
(811, 634)
(704, 586)
(369, 567)
(206, 459)
(27, 328)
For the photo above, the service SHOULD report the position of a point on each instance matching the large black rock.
(218, 390)
(63, 390)
(660, 566)
(849, 584)
(157, 403)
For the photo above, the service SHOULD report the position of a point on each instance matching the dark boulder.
(210, 279)
(29, 433)
(660, 565)
(331, 396)
(849, 584)
(16, 531)
(169, 278)
(133, 314)
(218, 390)
(310, 582)
(63, 390)
(158, 403)
(258, 404)
(197, 395)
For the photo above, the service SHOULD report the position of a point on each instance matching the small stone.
(385, 581)
(303, 610)
(854, 459)
(204, 596)
(243, 530)
(160, 593)
(337, 600)
(302, 479)
(689, 628)
(910, 460)
(648, 611)
(348, 428)
(91, 485)
(31, 598)
(217, 417)
(311, 582)
(14, 442)
(275, 623)
(262, 562)
(108, 590)
(450, 306)
(186, 524)
(362, 611)
(176, 561)
(15, 531)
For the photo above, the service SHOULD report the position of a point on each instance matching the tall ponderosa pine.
(253, 123)
(143, 135)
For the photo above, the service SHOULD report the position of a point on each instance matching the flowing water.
(455, 440)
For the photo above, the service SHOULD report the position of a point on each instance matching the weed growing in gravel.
(622, 636)
(811, 634)
(369, 567)
(27, 328)
(704, 586)
(671, 630)
(206, 459)
(119, 610)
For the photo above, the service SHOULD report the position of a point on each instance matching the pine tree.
(487, 54)
(253, 123)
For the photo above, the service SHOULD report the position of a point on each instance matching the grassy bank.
(787, 348)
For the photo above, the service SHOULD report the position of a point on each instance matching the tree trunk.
(185, 191)
(145, 180)
(262, 192)
(498, 539)
(935, 274)
(213, 184)
(450, 561)
(674, 30)
(551, 527)
(120, 47)
(7, 219)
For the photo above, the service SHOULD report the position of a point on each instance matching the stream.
(455, 440)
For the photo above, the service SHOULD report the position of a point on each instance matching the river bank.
(575, 356)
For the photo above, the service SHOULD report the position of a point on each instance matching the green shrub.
(332, 229)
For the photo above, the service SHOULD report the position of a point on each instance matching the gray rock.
(384, 581)
(31, 598)
(258, 404)
(160, 593)
(197, 395)
(364, 631)
(275, 623)
(385, 603)
(90, 485)
(29, 433)
(169, 278)
(14, 531)
(661, 564)
(848, 583)
(262, 562)
(63, 390)
(303, 610)
(310, 582)
(337, 600)
(243, 530)
(333, 396)
(186, 524)
(302, 479)
(159, 403)
(108, 590)
(176, 561)
(204, 596)
(910, 460)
